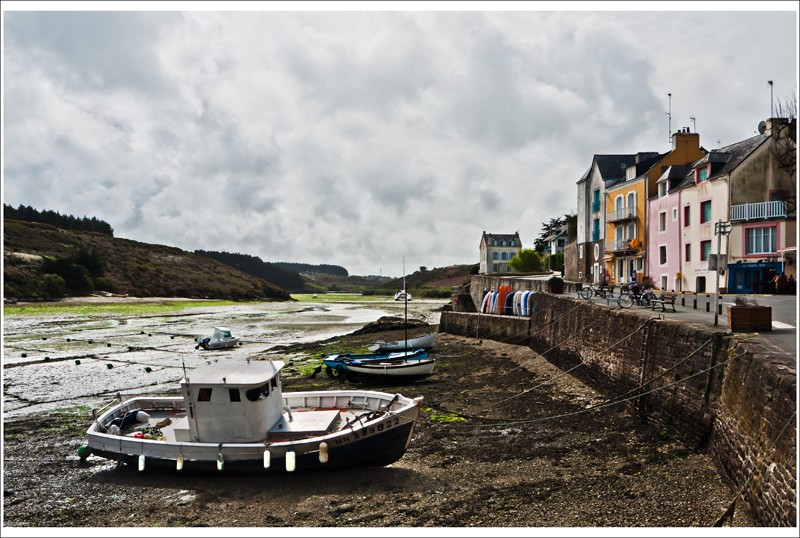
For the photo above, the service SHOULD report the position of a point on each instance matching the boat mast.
(405, 313)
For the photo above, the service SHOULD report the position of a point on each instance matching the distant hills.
(43, 261)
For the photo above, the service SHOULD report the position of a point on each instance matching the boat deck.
(172, 425)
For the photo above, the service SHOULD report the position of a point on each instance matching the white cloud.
(357, 138)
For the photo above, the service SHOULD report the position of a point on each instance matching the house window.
(662, 255)
(495, 255)
(705, 250)
(504, 256)
(761, 240)
(702, 175)
(512, 243)
(662, 189)
(688, 252)
(662, 221)
(596, 201)
(705, 211)
(580, 252)
(674, 213)
(596, 230)
(504, 242)
(664, 282)
(494, 242)
(494, 267)
(686, 219)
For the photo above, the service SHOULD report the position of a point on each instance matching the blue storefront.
(752, 277)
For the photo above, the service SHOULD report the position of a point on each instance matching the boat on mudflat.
(398, 366)
(233, 414)
(220, 339)
(426, 341)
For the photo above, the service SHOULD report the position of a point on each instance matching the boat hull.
(379, 437)
(424, 342)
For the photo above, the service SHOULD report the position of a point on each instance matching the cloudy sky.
(368, 132)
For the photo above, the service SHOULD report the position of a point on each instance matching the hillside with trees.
(42, 261)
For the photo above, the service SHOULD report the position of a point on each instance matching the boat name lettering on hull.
(394, 421)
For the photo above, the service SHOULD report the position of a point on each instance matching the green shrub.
(53, 286)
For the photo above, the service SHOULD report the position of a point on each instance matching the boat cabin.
(231, 402)
(221, 334)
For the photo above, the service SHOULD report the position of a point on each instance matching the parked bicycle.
(602, 291)
(638, 295)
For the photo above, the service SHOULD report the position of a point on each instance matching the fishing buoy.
(109, 366)
(148, 369)
(323, 452)
(267, 458)
(290, 461)
(108, 344)
(220, 461)
(77, 361)
(69, 340)
(91, 341)
(47, 359)
(141, 462)
(179, 462)
(84, 451)
(24, 355)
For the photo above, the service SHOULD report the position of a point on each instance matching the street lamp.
(720, 228)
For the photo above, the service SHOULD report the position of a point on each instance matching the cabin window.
(204, 395)
(275, 381)
(234, 395)
(259, 393)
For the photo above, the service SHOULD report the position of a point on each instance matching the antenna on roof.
(771, 110)
(694, 124)
(669, 115)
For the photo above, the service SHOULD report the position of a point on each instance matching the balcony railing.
(619, 245)
(622, 213)
(758, 210)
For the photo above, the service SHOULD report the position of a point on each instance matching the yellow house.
(626, 219)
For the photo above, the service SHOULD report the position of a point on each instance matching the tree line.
(271, 272)
(54, 218)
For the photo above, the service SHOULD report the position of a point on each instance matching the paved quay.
(699, 309)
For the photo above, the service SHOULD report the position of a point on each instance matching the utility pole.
(721, 228)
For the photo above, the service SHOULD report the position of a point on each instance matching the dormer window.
(513, 243)
(662, 189)
(504, 242)
(702, 174)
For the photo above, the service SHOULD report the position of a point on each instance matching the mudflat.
(504, 440)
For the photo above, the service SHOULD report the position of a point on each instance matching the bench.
(664, 300)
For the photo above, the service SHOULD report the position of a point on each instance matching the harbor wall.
(713, 391)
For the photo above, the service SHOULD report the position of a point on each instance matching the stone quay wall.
(711, 390)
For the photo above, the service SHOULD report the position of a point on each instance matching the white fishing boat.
(426, 341)
(402, 295)
(233, 414)
(220, 339)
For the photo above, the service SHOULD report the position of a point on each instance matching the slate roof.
(612, 167)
